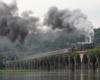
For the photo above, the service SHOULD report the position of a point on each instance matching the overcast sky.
(89, 7)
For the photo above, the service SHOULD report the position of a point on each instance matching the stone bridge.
(56, 62)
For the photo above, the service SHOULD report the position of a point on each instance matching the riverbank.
(19, 71)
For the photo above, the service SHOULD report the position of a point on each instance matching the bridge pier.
(99, 63)
(69, 62)
(88, 56)
(48, 65)
(26, 65)
(45, 66)
(81, 57)
(51, 66)
(56, 63)
(34, 64)
(30, 64)
(42, 67)
(22, 65)
(60, 63)
(37, 64)
(64, 65)
(74, 64)
(35, 61)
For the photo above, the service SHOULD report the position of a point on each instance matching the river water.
(49, 76)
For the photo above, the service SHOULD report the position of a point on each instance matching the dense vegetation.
(95, 52)
(33, 46)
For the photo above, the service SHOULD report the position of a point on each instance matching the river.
(49, 76)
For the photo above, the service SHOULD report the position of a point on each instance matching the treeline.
(33, 46)
(97, 37)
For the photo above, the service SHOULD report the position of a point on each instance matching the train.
(84, 47)
(79, 48)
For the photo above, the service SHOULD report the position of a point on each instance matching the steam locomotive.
(84, 47)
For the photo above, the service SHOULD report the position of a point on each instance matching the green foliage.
(61, 54)
(96, 64)
(16, 63)
(50, 57)
(73, 54)
(97, 37)
(40, 61)
(1, 61)
(95, 52)
(63, 63)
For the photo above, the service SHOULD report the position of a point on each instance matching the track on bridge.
(52, 53)
(49, 53)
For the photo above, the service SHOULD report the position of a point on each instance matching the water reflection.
(49, 76)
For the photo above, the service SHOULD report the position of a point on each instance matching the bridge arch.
(99, 61)
(56, 62)
(72, 63)
(93, 61)
(61, 62)
(44, 62)
(48, 65)
(51, 62)
(85, 62)
(40, 64)
(66, 62)
(78, 62)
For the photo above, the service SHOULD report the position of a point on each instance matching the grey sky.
(89, 7)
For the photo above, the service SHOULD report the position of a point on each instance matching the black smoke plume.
(70, 22)
(14, 27)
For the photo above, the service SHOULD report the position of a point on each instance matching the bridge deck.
(51, 53)
(80, 52)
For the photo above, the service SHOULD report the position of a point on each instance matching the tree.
(95, 52)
